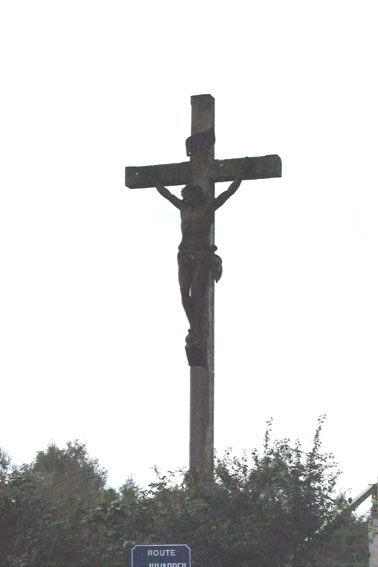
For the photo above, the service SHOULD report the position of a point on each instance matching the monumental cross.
(198, 264)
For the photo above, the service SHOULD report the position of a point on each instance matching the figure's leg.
(185, 277)
(198, 292)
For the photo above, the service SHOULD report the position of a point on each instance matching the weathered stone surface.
(201, 451)
(221, 170)
(168, 174)
(251, 168)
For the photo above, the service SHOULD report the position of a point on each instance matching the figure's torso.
(196, 227)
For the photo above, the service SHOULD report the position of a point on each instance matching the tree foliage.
(46, 507)
(262, 509)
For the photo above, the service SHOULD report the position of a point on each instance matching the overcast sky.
(91, 330)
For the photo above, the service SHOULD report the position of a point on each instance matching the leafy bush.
(260, 510)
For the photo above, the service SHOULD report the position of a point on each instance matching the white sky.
(92, 330)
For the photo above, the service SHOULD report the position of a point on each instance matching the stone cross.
(204, 171)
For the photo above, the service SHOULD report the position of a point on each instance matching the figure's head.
(193, 194)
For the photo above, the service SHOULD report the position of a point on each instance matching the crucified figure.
(197, 260)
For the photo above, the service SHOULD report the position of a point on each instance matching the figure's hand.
(157, 184)
(236, 183)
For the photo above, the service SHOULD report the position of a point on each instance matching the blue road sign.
(161, 555)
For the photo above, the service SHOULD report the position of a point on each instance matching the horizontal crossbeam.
(248, 168)
(168, 174)
(222, 170)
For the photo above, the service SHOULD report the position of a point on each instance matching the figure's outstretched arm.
(222, 198)
(164, 192)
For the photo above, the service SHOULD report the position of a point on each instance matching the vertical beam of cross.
(201, 452)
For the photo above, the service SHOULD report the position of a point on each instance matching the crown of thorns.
(197, 190)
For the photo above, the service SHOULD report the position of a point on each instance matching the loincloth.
(208, 258)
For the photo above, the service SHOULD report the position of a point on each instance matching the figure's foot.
(193, 339)
(195, 350)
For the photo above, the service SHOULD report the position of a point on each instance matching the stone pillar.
(202, 377)
(373, 530)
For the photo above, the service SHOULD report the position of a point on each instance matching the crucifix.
(198, 264)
